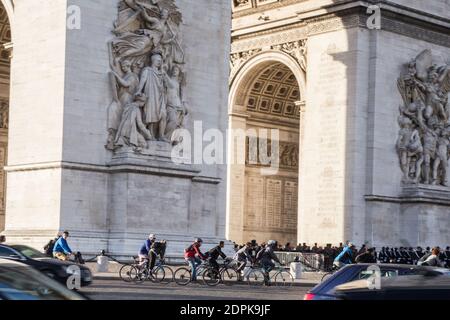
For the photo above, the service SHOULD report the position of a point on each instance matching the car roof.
(11, 263)
(403, 282)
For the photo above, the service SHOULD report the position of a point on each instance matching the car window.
(365, 274)
(5, 252)
(22, 283)
(29, 252)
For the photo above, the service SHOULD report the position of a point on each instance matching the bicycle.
(135, 272)
(281, 277)
(161, 273)
(226, 274)
(183, 276)
(327, 275)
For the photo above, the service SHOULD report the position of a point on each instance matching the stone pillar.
(237, 179)
(60, 174)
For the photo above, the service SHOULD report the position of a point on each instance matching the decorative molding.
(159, 168)
(392, 21)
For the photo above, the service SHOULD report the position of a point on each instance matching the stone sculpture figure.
(146, 46)
(152, 84)
(424, 121)
(176, 105)
(124, 83)
(132, 131)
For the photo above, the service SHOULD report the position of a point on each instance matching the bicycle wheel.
(158, 275)
(182, 276)
(327, 276)
(255, 278)
(211, 277)
(127, 273)
(284, 279)
(229, 276)
(168, 275)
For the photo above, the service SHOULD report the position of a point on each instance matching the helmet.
(152, 237)
(198, 240)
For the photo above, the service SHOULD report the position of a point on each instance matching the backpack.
(260, 254)
(189, 249)
(48, 248)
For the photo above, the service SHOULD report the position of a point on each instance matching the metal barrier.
(310, 261)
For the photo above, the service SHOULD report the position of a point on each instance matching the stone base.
(122, 246)
(420, 216)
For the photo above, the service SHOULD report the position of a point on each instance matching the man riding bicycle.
(266, 256)
(243, 256)
(194, 257)
(345, 257)
(214, 254)
(145, 253)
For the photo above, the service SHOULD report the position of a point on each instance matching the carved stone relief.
(147, 75)
(424, 137)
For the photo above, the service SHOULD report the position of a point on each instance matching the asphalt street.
(108, 289)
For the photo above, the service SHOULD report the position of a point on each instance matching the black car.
(19, 281)
(353, 272)
(53, 268)
(418, 287)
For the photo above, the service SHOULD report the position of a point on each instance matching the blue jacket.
(62, 246)
(146, 247)
(345, 256)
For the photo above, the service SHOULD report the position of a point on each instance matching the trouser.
(241, 266)
(152, 259)
(213, 263)
(267, 267)
(193, 264)
(60, 256)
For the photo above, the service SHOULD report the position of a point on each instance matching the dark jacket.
(365, 257)
(215, 252)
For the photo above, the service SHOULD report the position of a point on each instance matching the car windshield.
(24, 283)
(29, 252)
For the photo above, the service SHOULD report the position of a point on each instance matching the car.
(417, 287)
(53, 268)
(353, 272)
(19, 281)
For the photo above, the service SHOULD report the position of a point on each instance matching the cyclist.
(158, 248)
(194, 257)
(214, 254)
(145, 250)
(243, 256)
(267, 256)
(345, 257)
(61, 249)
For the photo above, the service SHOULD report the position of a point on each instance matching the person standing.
(366, 257)
(2, 239)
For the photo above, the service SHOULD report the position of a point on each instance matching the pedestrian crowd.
(349, 253)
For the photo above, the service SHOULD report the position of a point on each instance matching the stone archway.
(5, 67)
(266, 93)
